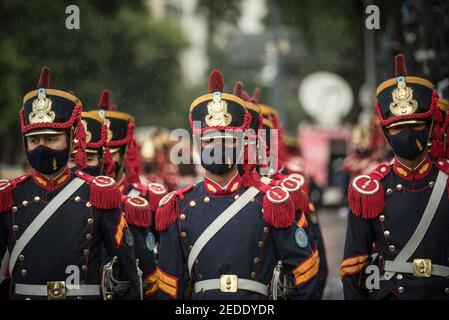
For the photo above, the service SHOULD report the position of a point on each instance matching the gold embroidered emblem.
(424, 168)
(217, 112)
(88, 133)
(41, 109)
(41, 181)
(403, 102)
(402, 171)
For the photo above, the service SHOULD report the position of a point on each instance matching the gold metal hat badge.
(107, 122)
(218, 112)
(403, 102)
(41, 109)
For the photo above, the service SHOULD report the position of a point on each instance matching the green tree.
(118, 46)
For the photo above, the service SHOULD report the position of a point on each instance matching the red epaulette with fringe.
(137, 211)
(154, 191)
(6, 188)
(295, 185)
(443, 165)
(104, 191)
(366, 193)
(168, 209)
(278, 207)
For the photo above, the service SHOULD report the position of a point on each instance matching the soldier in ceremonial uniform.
(220, 240)
(399, 213)
(282, 174)
(55, 221)
(139, 202)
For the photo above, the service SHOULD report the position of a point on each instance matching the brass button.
(389, 191)
(77, 198)
(23, 272)
(431, 184)
(253, 275)
(256, 260)
(89, 236)
(15, 227)
(386, 233)
(196, 261)
(401, 289)
(260, 244)
(391, 248)
(88, 204)
(192, 203)
(399, 276)
(399, 187)
(265, 229)
(109, 297)
(182, 217)
(90, 221)
(206, 199)
(261, 210)
(21, 257)
(183, 234)
(200, 276)
(86, 252)
(84, 267)
(14, 209)
(446, 290)
(236, 197)
(382, 217)
(24, 203)
(37, 199)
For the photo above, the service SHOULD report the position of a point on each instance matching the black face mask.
(46, 160)
(224, 164)
(409, 143)
(93, 171)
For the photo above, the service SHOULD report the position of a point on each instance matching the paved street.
(333, 228)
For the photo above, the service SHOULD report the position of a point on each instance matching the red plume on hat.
(238, 89)
(44, 78)
(103, 103)
(216, 81)
(399, 65)
(257, 95)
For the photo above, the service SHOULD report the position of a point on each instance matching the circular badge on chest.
(301, 238)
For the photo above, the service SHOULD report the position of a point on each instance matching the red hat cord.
(132, 157)
(109, 164)
(250, 176)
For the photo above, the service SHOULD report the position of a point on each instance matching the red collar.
(418, 173)
(216, 189)
(123, 184)
(51, 184)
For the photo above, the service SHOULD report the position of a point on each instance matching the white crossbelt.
(242, 284)
(42, 290)
(400, 262)
(133, 193)
(407, 267)
(221, 221)
(42, 218)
